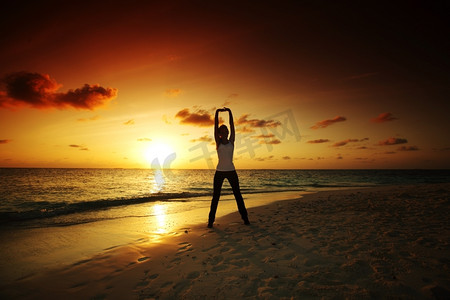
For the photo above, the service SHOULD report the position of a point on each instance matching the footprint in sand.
(193, 275)
(219, 268)
(186, 247)
(166, 284)
(224, 249)
(141, 259)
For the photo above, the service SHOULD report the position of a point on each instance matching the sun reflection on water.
(160, 212)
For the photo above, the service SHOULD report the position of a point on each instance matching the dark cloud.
(319, 141)
(271, 142)
(229, 101)
(407, 148)
(203, 118)
(5, 141)
(244, 121)
(94, 118)
(144, 140)
(244, 129)
(392, 141)
(173, 93)
(40, 91)
(442, 149)
(286, 157)
(345, 142)
(200, 117)
(328, 122)
(80, 147)
(264, 158)
(359, 76)
(204, 138)
(129, 122)
(264, 136)
(384, 117)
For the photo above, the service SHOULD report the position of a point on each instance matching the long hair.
(221, 127)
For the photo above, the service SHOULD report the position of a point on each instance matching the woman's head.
(223, 131)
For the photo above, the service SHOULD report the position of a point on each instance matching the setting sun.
(158, 153)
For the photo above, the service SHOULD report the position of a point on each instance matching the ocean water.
(69, 196)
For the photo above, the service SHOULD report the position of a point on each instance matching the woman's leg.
(218, 181)
(234, 182)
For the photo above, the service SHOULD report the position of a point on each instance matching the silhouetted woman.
(225, 167)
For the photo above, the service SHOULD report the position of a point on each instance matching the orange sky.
(310, 86)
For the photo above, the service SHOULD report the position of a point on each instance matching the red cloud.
(200, 117)
(326, 123)
(392, 141)
(408, 148)
(384, 117)
(5, 141)
(256, 122)
(319, 141)
(40, 91)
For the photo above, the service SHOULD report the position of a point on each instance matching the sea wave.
(46, 209)
(39, 194)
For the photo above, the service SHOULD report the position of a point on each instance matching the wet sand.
(383, 242)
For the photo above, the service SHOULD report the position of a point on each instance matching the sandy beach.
(383, 242)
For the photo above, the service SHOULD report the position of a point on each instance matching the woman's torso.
(225, 154)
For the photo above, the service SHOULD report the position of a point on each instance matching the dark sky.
(320, 58)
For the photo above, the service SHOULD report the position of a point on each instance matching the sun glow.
(159, 154)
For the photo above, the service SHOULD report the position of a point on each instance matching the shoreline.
(383, 241)
(34, 248)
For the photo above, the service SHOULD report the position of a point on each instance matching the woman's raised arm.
(216, 126)
(232, 132)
